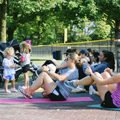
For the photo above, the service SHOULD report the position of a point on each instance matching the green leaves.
(102, 30)
(1, 1)
(72, 4)
(110, 7)
(45, 20)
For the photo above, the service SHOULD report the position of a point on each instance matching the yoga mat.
(100, 107)
(18, 101)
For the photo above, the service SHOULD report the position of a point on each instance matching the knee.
(106, 74)
(43, 74)
(96, 73)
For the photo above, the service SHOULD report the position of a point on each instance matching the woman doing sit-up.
(108, 86)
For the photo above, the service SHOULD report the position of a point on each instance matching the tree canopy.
(44, 21)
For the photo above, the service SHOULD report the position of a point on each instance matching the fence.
(117, 49)
(44, 52)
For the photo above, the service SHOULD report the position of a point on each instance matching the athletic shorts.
(56, 95)
(26, 68)
(9, 77)
(108, 101)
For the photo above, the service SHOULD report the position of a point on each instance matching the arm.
(99, 80)
(63, 65)
(99, 68)
(57, 76)
(54, 75)
(13, 64)
(110, 71)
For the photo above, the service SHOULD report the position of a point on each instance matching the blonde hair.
(24, 47)
(9, 51)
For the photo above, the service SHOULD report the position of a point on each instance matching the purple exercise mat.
(44, 100)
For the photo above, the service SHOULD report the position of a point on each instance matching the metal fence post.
(117, 50)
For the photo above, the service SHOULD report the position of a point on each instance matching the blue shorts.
(9, 77)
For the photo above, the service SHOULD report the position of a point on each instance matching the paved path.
(54, 111)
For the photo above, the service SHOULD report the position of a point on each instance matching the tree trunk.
(0, 18)
(117, 29)
(3, 15)
(10, 33)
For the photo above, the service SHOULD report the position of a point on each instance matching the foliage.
(102, 30)
(44, 20)
(111, 10)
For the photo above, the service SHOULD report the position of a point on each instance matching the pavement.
(54, 111)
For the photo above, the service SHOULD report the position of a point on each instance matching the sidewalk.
(53, 111)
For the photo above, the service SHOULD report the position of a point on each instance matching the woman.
(106, 59)
(108, 86)
(54, 90)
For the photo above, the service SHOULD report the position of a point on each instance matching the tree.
(111, 10)
(45, 20)
(3, 16)
(21, 13)
(101, 30)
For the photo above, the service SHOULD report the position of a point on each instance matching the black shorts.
(108, 101)
(56, 95)
(25, 68)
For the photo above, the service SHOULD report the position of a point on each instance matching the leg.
(102, 89)
(74, 83)
(6, 85)
(85, 81)
(26, 79)
(111, 87)
(13, 84)
(43, 80)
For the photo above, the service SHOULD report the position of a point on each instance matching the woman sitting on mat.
(106, 59)
(53, 83)
(108, 86)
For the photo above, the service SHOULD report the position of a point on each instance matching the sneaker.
(14, 90)
(20, 88)
(24, 87)
(8, 91)
(78, 89)
(70, 84)
(92, 90)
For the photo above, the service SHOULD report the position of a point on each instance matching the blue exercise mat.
(98, 106)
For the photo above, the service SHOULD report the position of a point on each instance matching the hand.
(13, 66)
(88, 70)
(110, 71)
(16, 66)
(45, 69)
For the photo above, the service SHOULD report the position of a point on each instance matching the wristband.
(90, 75)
